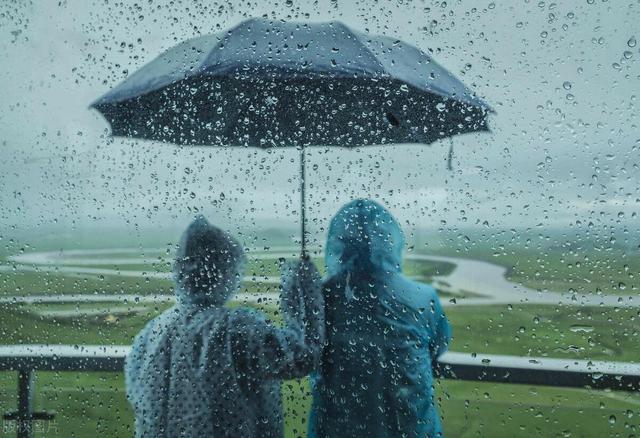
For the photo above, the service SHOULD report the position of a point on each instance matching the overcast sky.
(565, 145)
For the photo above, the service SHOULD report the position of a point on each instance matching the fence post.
(25, 403)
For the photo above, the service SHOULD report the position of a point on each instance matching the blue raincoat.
(201, 369)
(383, 334)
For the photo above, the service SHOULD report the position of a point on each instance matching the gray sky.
(562, 76)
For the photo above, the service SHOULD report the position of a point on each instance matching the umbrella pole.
(302, 203)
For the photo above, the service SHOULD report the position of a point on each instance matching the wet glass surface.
(502, 138)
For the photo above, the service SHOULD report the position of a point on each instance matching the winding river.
(485, 281)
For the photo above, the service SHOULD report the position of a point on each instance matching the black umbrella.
(271, 83)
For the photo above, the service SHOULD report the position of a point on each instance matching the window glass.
(516, 191)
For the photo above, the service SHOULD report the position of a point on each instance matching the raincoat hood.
(208, 266)
(364, 237)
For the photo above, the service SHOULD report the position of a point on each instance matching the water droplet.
(629, 413)
(580, 328)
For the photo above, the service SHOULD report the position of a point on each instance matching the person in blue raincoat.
(201, 369)
(383, 334)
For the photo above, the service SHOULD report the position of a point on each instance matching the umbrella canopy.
(271, 83)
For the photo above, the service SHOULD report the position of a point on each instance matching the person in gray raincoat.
(383, 334)
(201, 369)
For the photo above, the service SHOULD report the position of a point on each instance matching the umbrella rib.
(225, 37)
(356, 35)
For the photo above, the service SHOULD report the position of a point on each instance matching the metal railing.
(27, 359)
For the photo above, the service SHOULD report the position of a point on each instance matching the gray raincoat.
(204, 370)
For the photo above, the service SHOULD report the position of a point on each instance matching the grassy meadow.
(93, 404)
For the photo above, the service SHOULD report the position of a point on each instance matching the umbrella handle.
(303, 247)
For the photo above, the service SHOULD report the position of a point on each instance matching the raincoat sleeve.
(261, 349)
(133, 364)
(442, 329)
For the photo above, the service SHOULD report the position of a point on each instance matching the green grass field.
(90, 403)
(524, 330)
(93, 404)
(586, 270)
